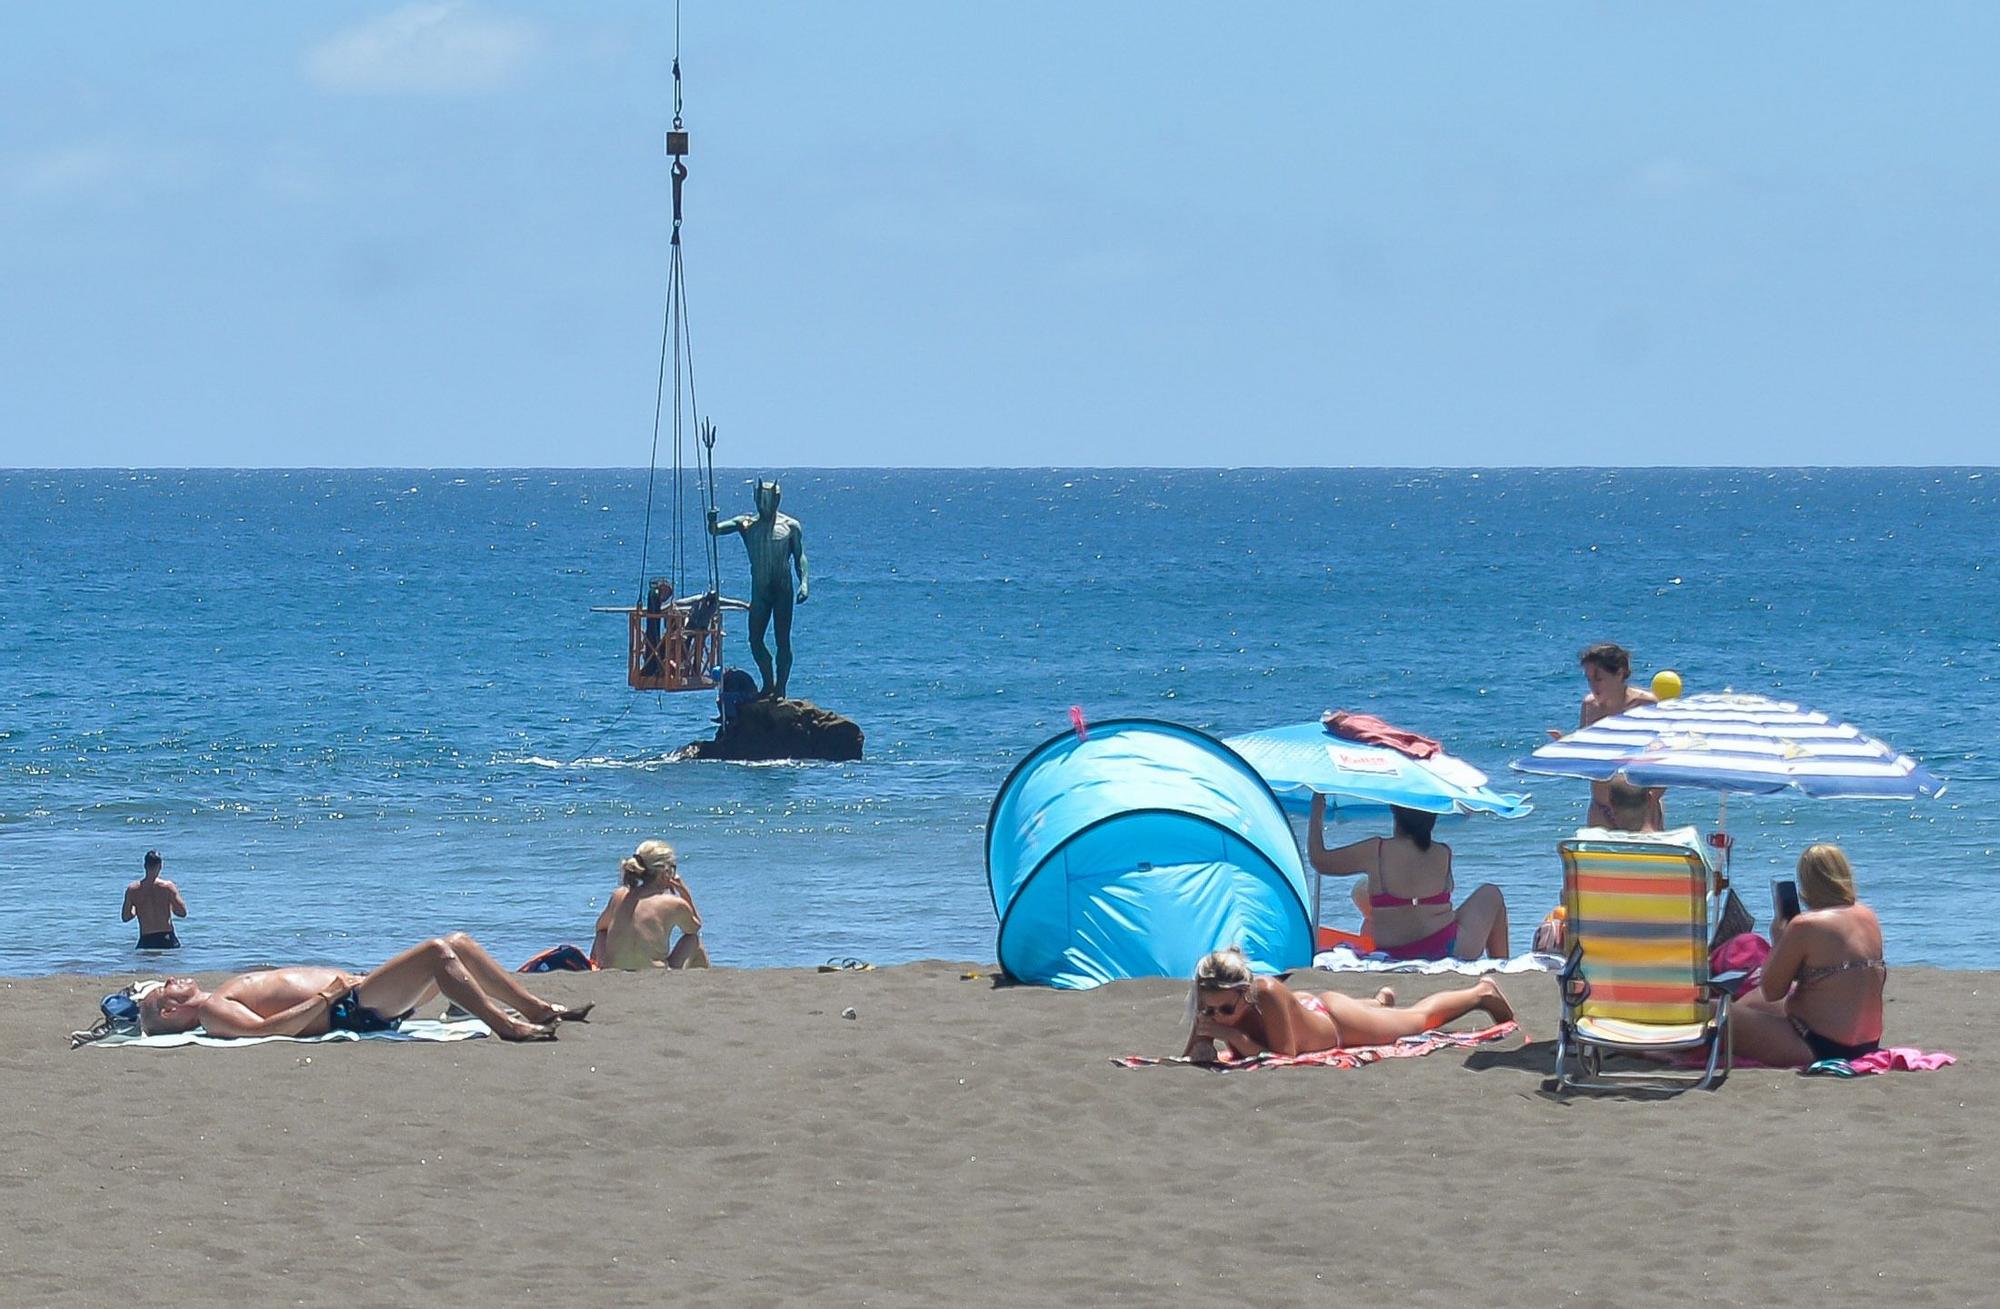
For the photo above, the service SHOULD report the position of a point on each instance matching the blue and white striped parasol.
(1304, 759)
(1747, 744)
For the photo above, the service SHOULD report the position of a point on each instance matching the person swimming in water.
(650, 904)
(1251, 1014)
(309, 1001)
(155, 902)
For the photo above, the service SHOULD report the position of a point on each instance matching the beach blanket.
(1342, 959)
(1353, 1056)
(1895, 1059)
(1370, 730)
(413, 1029)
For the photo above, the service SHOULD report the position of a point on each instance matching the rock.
(782, 729)
(849, 1012)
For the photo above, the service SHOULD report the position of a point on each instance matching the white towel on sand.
(413, 1029)
(1340, 959)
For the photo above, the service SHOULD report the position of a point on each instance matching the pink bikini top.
(1443, 897)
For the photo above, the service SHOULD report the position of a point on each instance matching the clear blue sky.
(1026, 234)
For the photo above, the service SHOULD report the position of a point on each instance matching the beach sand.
(729, 1138)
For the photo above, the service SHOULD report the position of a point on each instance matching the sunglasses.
(1228, 1009)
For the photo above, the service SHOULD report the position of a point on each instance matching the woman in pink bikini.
(1406, 901)
(1252, 1014)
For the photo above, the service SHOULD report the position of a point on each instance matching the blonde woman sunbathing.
(1821, 996)
(1252, 1015)
(650, 904)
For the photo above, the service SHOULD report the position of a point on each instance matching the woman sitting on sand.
(1822, 992)
(313, 1001)
(650, 903)
(1406, 902)
(1252, 1014)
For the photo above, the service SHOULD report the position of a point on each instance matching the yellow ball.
(1667, 684)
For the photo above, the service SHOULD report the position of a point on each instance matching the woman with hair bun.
(636, 928)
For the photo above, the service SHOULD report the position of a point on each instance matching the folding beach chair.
(1636, 979)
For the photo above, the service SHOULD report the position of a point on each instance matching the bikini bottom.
(1437, 945)
(1826, 1048)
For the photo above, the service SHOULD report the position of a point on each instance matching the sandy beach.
(729, 1138)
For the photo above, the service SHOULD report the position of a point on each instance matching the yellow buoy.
(1667, 684)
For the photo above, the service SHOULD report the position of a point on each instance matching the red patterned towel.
(1370, 730)
(1347, 1057)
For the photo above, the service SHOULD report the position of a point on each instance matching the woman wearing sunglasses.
(1252, 1014)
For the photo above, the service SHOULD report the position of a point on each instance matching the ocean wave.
(650, 761)
(589, 761)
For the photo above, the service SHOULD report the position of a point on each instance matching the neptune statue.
(776, 545)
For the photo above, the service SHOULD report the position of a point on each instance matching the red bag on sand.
(1746, 951)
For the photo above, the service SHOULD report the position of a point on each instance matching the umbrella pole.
(1722, 841)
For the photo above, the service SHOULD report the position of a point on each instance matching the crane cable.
(677, 340)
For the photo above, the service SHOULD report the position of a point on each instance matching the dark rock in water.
(782, 729)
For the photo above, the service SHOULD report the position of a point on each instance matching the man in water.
(776, 544)
(314, 1001)
(1607, 667)
(155, 902)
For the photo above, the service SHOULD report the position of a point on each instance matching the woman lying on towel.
(1406, 901)
(1252, 1015)
(1822, 992)
(314, 1001)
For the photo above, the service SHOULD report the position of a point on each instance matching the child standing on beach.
(1607, 667)
(155, 902)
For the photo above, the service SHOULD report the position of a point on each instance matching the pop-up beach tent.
(1134, 850)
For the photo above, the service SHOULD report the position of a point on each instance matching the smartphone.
(1784, 898)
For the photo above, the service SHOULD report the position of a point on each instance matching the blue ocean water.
(354, 708)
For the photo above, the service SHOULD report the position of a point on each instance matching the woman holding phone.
(1822, 992)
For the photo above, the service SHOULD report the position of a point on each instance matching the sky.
(1031, 234)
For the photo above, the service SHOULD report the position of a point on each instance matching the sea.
(355, 708)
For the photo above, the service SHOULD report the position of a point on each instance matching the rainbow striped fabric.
(1638, 913)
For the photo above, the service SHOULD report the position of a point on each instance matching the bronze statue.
(776, 544)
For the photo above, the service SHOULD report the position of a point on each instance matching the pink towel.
(1895, 1059)
(1901, 1059)
(1353, 1056)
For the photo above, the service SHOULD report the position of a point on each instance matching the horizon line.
(1003, 468)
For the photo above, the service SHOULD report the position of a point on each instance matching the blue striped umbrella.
(1304, 759)
(1747, 744)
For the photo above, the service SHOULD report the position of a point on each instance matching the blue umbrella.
(1305, 759)
(1747, 744)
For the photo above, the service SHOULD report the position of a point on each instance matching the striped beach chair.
(1636, 978)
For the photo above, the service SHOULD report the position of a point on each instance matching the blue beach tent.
(1136, 850)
